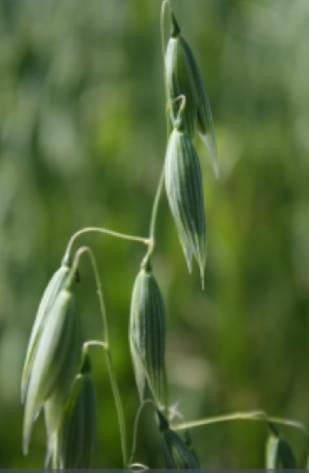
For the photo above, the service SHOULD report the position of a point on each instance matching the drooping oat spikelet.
(54, 360)
(183, 77)
(184, 188)
(77, 433)
(177, 454)
(55, 284)
(147, 336)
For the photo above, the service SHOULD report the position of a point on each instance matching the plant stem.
(136, 425)
(155, 207)
(106, 346)
(102, 230)
(253, 416)
(153, 220)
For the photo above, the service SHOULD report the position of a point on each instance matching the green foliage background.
(82, 133)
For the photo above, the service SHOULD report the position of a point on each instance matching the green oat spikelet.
(183, 77)
(179, 81)
(77, 434)
(177, 454)
(55, 358)
(184, 188)
(147, 336)
(54, 286)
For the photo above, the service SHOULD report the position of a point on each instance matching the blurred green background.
(82, 133)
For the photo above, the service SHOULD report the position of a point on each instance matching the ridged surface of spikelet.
(147, 336)
(78, 428)
(179, 82)
(184, 188)
(53, 362)
(183, 78)
(203, 108)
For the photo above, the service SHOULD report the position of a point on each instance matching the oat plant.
(57, 380)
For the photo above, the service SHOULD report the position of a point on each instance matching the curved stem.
(253, 416)
(288, 423)
(119, 407)
(153, 220)
(102, 230)
(136, 425)
(182, 99)
(106, 346)
(75, 263)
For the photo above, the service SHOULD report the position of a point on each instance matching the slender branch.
(252, 416)
(102, 230)
(136, 425)
(106, 346)
(153, 220)
(74, 267)
(155, 207)
(182, 99)
(289, 423)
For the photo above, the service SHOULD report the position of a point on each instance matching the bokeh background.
(82, 133)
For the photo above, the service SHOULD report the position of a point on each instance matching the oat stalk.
(105, 345)
(260, 416)
(104, 231)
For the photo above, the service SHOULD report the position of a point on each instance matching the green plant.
(57, 374)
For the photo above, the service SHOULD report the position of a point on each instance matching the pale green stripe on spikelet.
(155, 337)
(147, 336)
(204, 113)
(137, 335)
(183, 181)
(183, 78)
